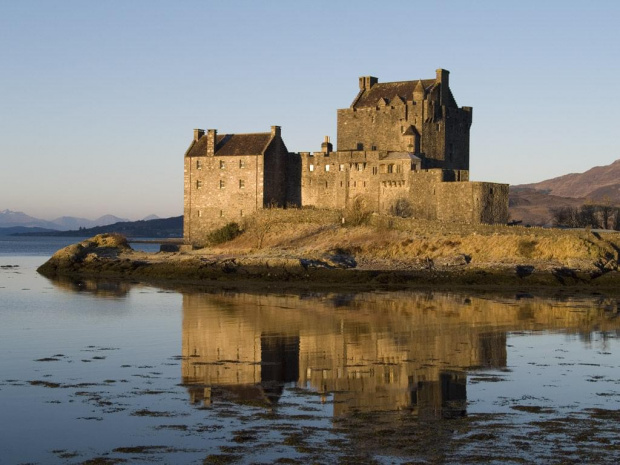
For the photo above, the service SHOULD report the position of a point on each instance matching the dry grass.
(311, 232)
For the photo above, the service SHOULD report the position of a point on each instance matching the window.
(222, 184)
(240, 212)
(241, 184)
(198, 164)
(241, 164)
(222, 164)
(199, 213)
(326, 167)
(390, 168)
(341, 168)
(360, 167)
(311, 167)
(221, 213)
(198, 184)
(325, 184)
(398, 168)
(374, 170)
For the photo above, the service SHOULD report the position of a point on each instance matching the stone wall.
(219, 190)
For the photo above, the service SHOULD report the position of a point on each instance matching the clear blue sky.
(99, 98)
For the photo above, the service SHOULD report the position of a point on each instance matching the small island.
(393, 206)
(313, 248)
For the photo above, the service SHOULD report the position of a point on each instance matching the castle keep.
(399, 142)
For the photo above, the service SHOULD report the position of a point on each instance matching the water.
(118, 371)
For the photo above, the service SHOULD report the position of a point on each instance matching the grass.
(312, 232)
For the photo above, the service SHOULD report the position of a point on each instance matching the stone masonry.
(404, 142)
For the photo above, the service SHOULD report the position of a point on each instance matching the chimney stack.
(326, 146)
(276, 131)
(443, 78)
(198, 133)
(211, 141)
(366, 82)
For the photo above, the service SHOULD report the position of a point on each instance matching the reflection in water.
(371, 352)
(99, 288)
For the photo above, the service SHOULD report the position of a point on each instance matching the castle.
(401, 143)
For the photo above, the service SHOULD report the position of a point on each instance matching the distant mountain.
(10, 219)
(71, 222)
(160, 228)
(150, 217)
(533, 203)
(596, 184)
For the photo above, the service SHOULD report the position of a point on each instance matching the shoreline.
(105, 257)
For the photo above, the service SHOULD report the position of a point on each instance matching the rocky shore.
(109, 256)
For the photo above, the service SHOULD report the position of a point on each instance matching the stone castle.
(399, 143)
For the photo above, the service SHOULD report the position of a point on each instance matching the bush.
(224, 234)
(357, 214)
(403, 208)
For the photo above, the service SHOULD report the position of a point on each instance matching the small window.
(326, 167)
(325, 184)
(198, 184)
(198, 164)
(222, 184)
(222, 164)
(374, 170)
(398, 168)
(240, 212)
(390, 168)
(360, 167)
(199, 213)
(311, 167)
(341, 167)
(241, 164)
(221, 213)
(340, 183)
(241, 184)
(383, 169)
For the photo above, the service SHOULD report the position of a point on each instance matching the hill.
(597, 184)
(534, 203)
(24, 229)
(161, 228)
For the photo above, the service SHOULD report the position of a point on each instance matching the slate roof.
(390, 90)
(232, 144)
(402, 156)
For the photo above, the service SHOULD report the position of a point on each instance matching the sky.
(99, 99)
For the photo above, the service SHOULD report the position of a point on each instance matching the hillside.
(596, 184)
(534, 203)
(162, 228)
(535, 207)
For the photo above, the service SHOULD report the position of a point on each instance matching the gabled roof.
(232, 144)
(389, 91)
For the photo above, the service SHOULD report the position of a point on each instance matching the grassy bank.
(314, 247)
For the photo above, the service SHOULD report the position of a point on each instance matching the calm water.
(95, 370)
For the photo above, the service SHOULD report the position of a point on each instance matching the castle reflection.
(371, 352)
